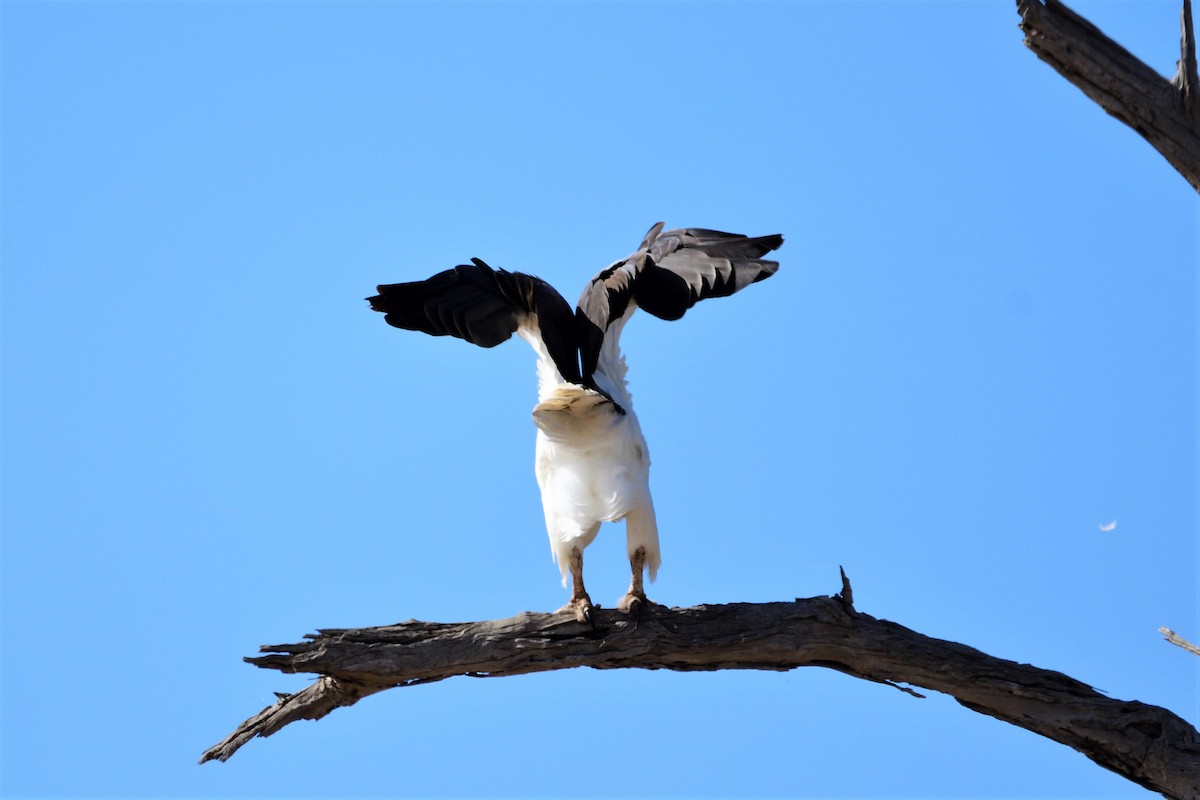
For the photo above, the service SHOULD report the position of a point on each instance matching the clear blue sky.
(981, 346)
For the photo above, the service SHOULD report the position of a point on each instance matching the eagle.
(591, 459)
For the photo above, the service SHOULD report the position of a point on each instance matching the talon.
(632, 604)
(581, 609)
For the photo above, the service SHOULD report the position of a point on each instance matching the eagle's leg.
(634, 599)
(580, 603)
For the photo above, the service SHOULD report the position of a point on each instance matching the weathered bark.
(1165, 112)
(1148, 745)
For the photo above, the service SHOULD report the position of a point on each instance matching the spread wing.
(668, 274)
(485, 306)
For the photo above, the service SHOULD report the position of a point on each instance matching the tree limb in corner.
(1146, 744)
(1166, 113)
(1177, 640)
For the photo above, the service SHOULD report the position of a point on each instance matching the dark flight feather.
(666, 276)
(484, 306)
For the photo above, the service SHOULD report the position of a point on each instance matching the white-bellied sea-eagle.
(592, 463)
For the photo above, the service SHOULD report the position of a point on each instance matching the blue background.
(981, 346)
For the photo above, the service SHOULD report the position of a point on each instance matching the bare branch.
(1186, 78)
(1164, 112)
(1148, 745)
(1177, 640)
(313, 702)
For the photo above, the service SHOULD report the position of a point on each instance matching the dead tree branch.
(1148, 745)
(1177, 640)
(1166, 113)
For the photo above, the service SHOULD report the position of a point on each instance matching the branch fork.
(1166, 113)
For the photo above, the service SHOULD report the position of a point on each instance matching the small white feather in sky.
(1109, 526)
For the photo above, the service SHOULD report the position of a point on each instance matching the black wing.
(484, 306)
(668, 274)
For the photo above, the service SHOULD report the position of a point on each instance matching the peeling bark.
(1146, 744)
(1166, 113)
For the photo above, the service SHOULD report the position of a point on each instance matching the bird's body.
(592, 462)
(593, 466)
